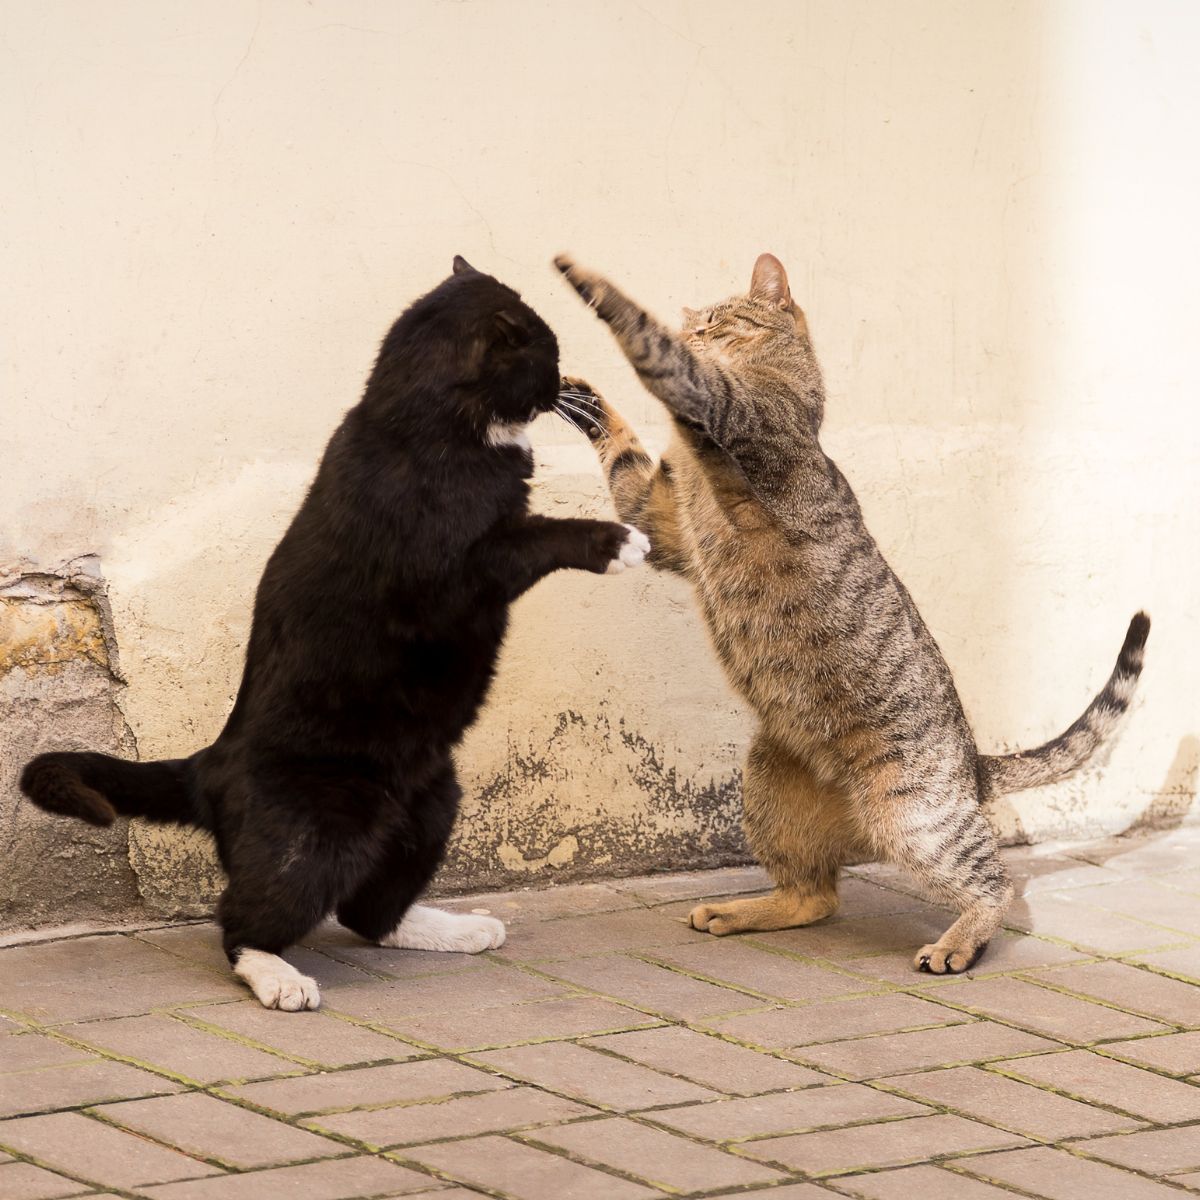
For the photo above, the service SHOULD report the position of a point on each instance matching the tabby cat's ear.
(769, 283)
(462, 267)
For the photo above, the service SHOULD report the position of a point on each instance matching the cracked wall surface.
(983, 211)
(59, 684)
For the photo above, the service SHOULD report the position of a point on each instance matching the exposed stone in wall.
(59, 688)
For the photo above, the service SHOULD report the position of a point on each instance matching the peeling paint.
(60, 688)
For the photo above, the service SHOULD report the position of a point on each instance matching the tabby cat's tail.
(98, 788)
(1065, 754)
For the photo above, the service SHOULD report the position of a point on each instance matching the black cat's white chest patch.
(509, 433)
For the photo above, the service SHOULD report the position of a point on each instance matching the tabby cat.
(376, 628)
(862, 750)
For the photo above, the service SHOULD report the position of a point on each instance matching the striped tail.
(1065, 754)
(97, 788)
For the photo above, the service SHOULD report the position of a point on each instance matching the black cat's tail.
(1065, 754)
(98, 788)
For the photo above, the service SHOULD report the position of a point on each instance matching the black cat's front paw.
(622, 547)
(579, 404)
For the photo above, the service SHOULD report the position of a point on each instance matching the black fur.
(376, 628)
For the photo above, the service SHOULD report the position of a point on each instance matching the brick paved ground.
(609, 1052)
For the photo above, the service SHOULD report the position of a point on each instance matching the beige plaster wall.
(213, 211)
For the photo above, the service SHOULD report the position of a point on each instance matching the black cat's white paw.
(435, 929)
(631, 553)
(276, 983)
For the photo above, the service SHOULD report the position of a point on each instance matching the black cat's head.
(470, 355)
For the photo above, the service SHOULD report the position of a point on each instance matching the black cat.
(376, 628)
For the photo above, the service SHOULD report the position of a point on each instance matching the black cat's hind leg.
(381, 908)
(285, 875)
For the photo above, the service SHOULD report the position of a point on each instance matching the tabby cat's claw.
(588, 286)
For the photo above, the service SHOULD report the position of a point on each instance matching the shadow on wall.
(1170, 806)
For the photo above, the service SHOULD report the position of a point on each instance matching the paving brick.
(313, 1036)
(443, 995)
(337, 1179)
(170, 1045)
(1045, 1011)
(88, 1082)
(927, 1182)
(890, 1144)
(572, 937)
(1131, 988)
(1098, 1080)
(835, 1019)
(791, 1191)
(1184, 961)
(203, 1125)
(1144, 855)
(1058, 1175)
(652, 987)
(84, 978)
(514, 1024)
(786, 1112)
(392, 1084)
(1035, 871)
(660, 1159)
(92, 1150)
(1156, 1151)
(524, 1172)
(709, 1061)
(1175, 1053)
(1009, 1104)
(1148, 900)
(592, 1077)
(29, 1051)
(694, 885)
(24, 1181)
(465, 1116)
(775, 975)
(1064, 916)
(857, 937)
(446, 1193)
(201, 944)
(547, 904)
(896, 1053)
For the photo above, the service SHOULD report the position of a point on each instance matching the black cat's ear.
(511, 329)
(769, 283)
(462, 267)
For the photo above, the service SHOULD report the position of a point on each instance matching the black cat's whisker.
(588, 417)
(581, 398)
(569, 419)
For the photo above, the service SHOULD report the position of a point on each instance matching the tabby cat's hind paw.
(708, 918)
(947, 960)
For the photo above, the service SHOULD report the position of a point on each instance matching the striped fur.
(862, 750)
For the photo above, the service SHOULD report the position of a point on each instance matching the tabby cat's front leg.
(695, 392)
(642, 492)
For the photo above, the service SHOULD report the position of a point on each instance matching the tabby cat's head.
(765, 327)
(466, 356)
